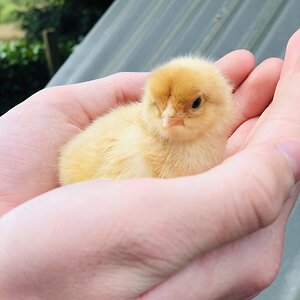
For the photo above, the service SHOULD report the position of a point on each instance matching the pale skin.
(199, 237)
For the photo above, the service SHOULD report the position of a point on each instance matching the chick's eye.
(196, 102)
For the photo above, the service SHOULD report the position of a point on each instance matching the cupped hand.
(146, 238)
(33, 132)
(243, 268)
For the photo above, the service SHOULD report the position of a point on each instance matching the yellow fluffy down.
(130, 141)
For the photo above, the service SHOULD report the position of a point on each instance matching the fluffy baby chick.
(180, 128)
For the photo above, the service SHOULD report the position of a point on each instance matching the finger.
(154, 230)
(236, 66)
(292, 58)
(281, 119)
(98, 96)
(224, 204)
(257, 91)
(121, 88)
(237, 140)
(232, 278)
(115, 89)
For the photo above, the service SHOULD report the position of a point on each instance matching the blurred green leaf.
(23, 70)
(8, 11)
(71, 19)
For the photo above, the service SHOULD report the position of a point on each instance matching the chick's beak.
(169, 118)
(168, 122)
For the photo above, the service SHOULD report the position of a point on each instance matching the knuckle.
(140, 240)
(139, 249)
(267, 266)
(265, 279)
(261, 200)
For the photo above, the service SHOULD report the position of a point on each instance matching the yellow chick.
(179, 128)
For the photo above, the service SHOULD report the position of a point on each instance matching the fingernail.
(291, 151)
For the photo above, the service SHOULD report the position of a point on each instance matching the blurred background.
(36, 36)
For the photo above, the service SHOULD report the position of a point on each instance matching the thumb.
(240, 196)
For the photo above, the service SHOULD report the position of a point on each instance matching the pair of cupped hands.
(216, 235)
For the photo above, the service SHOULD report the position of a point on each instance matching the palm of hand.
(35, 131)
(32, 141)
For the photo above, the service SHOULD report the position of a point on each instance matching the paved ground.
(10, 32)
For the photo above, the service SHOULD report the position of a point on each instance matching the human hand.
(247, 266)
(33, 132)
(151, 241)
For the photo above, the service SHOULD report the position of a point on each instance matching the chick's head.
(187, 98)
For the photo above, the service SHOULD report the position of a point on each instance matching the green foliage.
(23, 69)
(23, 64)
(26, 3)
(8, 11)
(72, 19)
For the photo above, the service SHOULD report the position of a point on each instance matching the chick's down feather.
(179, 128)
